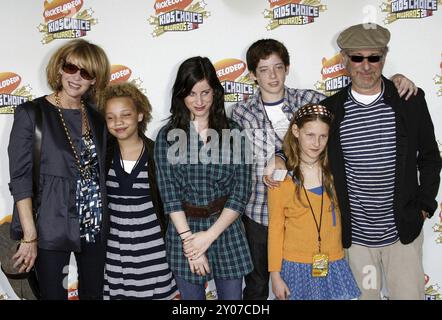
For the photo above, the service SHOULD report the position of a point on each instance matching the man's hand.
(404, 85)
(274, 163)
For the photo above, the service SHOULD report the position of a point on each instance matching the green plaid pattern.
(199, 184)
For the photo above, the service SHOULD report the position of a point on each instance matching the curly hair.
(129, 90)
(90, 56)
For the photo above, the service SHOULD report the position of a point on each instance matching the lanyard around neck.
(318, 226)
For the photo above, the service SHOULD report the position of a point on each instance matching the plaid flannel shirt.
(198, 183)
(252, 117)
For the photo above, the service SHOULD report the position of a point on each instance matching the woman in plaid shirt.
(204, 188)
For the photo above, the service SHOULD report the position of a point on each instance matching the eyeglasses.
(72, 68)
(371, 59)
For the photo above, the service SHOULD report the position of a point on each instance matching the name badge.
(320, 265)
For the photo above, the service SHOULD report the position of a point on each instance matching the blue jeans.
(226, 289)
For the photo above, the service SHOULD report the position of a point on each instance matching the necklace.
(136, 163)
(84, 172)
(309, 165)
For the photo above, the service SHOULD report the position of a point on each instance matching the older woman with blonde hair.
(69, 204)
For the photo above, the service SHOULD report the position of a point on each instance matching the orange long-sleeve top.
(292, 231)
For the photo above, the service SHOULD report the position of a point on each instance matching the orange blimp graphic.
(9, 81)
(119, 73)
(169, 5)
(229, 69)
(57, 9)
(333, 67)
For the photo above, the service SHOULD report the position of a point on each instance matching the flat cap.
(364, 36)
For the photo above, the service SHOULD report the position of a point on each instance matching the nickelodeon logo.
(169, 5)
(230, 74)
(334, 75)
(10, 93)
(9, 81)
(61, 8)
(119, 73)
(229, 69)
(60, 22)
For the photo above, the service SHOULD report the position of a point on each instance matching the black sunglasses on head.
(371, 59)
(72, 68)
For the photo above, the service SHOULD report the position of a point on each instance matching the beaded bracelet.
(28, 241)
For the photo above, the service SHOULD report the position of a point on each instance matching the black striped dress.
(136, 265)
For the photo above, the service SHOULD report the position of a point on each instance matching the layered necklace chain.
(84, 172)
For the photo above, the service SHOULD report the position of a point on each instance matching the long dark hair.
(190, 72)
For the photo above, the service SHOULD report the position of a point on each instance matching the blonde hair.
(292, 151)
(128, 90)
(90, 56)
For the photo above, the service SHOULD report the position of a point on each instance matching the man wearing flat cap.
(386, 164)
(266, 116)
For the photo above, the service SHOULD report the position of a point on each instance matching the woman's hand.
(25, 256)
(197, 244)
(199, 266)
(279, 288)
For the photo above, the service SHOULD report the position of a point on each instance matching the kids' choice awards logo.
(177, 15)
(438, 227)
(431, 290)
(334, 75)
(237, 85)
(11, 93)
(121, 73)
(292, 12)
(408, 9)
(438, 80)
(65, 19)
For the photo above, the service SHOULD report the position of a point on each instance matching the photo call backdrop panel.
(147, 40)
